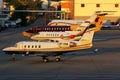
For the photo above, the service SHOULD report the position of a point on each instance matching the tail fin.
(100, 15)
(97, 18)
(99, 21)
(87, 37)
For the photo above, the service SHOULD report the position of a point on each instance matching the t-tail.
(100, 18)
(97, 18)
(87, 38)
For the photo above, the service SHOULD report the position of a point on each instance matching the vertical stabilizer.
(87, 37)
(97, 18)
(99, 21)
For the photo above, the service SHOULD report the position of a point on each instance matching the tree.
(34, 5)
(18, 6)
(24, 5)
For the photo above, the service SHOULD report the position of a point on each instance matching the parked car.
(118, 22)
(108, 25)
(15, 23)
(9, 24)
(5, 17)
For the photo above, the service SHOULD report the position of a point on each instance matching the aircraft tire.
(45, 60)
(58, 59)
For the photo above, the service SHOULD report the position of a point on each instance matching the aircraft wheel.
(58, 59)
(45, 60)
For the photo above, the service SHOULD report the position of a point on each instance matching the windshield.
(15, 45)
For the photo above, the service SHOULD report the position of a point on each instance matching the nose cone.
(4, 49)
(33, 37)
(7, 49)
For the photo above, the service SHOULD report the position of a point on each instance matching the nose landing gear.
(13, 57)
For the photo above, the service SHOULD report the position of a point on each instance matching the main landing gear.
(45, 59)
(57, 58)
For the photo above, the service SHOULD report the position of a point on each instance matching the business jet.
(35, 30)
(68, 25)
(46, 49)
(59, 36)
(71, 35)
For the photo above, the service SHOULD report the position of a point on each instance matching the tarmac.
(101, 62)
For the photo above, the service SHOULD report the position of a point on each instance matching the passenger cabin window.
(55, 35)
(65, 43)
(35, 46)
(57, 41)
(52, 40)
(28, 46)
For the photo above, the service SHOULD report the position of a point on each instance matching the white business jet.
(56, 49)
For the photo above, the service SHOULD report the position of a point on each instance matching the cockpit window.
(15, 45)
(28, 46)
(24, 46)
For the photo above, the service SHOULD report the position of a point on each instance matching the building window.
(116, 5)
(82, 5)
(97, 5)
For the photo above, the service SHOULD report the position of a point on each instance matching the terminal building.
(82, 9)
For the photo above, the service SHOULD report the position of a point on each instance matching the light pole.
(34, 4)
(49, 2)
(34, 8)
(2, 13)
